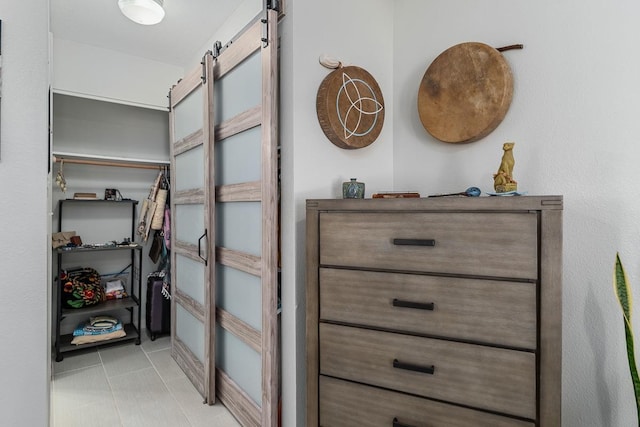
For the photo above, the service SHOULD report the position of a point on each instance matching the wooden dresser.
(434, 312)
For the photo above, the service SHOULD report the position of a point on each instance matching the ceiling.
(187, 26)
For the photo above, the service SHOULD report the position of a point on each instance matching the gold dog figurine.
(503, 179)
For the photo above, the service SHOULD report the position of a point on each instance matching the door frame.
(201, 374)
(260, 35)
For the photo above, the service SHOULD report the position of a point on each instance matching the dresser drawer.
(495, 312)
(346, 404)
(479, 376)
(488, 244)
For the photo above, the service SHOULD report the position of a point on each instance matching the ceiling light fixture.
(145, 12)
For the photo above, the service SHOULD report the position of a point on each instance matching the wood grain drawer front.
(496, 312)
(479, 376)
(487, 244)
(346, 404)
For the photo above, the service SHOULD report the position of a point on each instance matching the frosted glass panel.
(240, 294)
(188, 115)
(240, 362)
(239, 226)
(189, 221)
(239, 90)
(189, 171)
(190, 277)
(190, 331)
(239, 158)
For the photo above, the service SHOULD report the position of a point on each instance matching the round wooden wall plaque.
(465, 93)
(350, 107)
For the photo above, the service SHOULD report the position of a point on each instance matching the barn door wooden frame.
(190, 255)
(258, 38)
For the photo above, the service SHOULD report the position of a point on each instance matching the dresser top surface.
(458, 203)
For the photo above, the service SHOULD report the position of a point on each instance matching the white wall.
(574, 121)
(88, 126)
(24, 365)
(358, 32)
(93, 72)
(244, 14)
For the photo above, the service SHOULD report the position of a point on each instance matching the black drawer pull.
(410, 304)
(417, 368)
(414, 242)
(200, 247)
(397, 423)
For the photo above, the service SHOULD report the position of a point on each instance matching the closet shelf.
(133, 284)
(115, 304)
(100, 160)
(71, 250)
(129, 328)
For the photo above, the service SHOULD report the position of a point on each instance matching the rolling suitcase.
(158, 309)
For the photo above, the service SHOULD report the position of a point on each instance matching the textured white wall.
(93, 72)
(247, 10)
(574, 121)
(358, 32)
(24, 365)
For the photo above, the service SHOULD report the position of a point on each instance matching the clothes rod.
(125, 163)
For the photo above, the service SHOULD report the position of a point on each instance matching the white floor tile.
(94, 415)
(122, 359)
(81, 387)
(82, 397)
(224, 420)
(77, 360)
(143, 400)
(167, 368)
(129, 386)
(198, 413)
(160, 343)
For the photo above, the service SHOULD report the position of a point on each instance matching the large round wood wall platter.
(350, 107)
(465, 93)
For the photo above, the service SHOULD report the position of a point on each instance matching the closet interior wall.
(99, 128)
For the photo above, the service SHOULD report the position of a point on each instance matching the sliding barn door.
(225, 238)
(192, 228)
(246, 211)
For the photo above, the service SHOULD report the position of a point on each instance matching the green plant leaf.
(632, 365)
(621, 285)
(623, 293)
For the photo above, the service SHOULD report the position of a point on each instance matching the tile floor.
(129, 386)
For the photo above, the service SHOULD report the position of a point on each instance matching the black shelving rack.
(131, 303)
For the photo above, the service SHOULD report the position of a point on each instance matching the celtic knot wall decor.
(350, 107)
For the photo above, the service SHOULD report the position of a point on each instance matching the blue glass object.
(353, 189)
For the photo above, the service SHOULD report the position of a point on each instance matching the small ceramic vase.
(353, 189)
